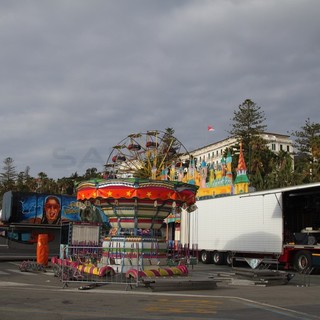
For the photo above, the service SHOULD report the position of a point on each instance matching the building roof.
(266, 135)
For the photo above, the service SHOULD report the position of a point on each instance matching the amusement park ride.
(144, 185)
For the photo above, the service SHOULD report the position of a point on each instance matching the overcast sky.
(78, 76)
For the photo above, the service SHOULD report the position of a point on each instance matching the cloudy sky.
(78, 76)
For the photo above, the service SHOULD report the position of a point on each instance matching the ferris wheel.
(146, 155)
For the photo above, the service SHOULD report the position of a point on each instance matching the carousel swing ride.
(144, 185)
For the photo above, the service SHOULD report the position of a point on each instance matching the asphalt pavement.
(208, 292)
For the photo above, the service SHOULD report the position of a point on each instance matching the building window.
(273, 147)
(281, 147)
(288, 148)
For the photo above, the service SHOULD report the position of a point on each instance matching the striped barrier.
(181, 270)
(64, 262)
(94, 270)
(85, 268)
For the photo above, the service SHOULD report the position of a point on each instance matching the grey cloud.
(78, 77)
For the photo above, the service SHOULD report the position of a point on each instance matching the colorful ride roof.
(183, 194)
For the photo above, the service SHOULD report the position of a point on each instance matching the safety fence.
(89, 266)
(84, 265)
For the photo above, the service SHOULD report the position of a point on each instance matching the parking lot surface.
(40, 294)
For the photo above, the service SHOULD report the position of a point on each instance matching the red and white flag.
(210, 128)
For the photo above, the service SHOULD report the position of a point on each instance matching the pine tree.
(8, 176)
(248, 122)
(247, 127)
(266, 169)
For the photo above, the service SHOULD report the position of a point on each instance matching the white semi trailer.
(280, 225)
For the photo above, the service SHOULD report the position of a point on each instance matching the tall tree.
(307, 143)
(8, 176)
(247, 127)
(169, 139)
(248, 122)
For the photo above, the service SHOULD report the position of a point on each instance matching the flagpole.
(210, 129)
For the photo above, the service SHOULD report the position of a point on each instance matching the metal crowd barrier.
(90, 266)
(85, 266)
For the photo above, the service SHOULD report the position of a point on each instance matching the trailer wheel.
(205, 256)
(229, 258)
(302, 260)
(218, 258)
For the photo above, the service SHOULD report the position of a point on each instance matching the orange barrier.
(42, 249)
